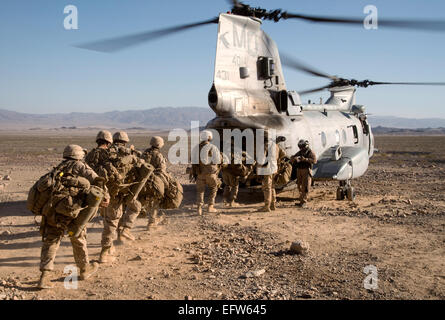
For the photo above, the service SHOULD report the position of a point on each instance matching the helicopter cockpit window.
(266, 68)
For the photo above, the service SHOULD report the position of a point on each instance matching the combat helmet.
(121, 136)
(73, 151)
(303, 144)
(206, 135)
(104, 135)
(157, 142)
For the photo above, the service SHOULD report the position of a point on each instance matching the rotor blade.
(372, 83)
(313, 90)
(119, 43)
(432, 25)
(295, 64)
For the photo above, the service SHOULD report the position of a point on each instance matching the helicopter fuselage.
(249, 92)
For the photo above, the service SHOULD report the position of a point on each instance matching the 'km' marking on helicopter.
(243, 40)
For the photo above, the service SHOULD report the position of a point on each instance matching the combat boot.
(212, 209)
(233, 204)
(199, 210)
(88, 271)
(125, 235)
(106, 255)
(45, 281)
(265, 208)
(272, 206)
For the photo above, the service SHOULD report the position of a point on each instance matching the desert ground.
(396, 223)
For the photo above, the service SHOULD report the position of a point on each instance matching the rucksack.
(238, 170)
(173, 192)
(284, 173)
(58, 190)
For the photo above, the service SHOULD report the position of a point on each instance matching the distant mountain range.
(156, 118)
(167, 118)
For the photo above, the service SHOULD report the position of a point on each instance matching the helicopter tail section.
(247, 69)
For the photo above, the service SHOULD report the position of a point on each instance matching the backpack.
(59, 190)
(39, 194)
(284, 173)
(173, 192)
(238, 170)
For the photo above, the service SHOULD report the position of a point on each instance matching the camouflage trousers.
(51, 242)
(153, 211)
(304, 180)
(114, 217)
(210, 180)
(268, 188)
(231, 186)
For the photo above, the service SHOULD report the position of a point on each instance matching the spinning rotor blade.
(298, 65)
(372, 83)
(119, 43)
(313, 90)
(431, 25)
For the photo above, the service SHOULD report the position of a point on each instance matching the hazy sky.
(41, 72)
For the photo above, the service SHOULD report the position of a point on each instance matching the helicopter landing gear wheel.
(340, 194)
(350, 194)
(345, 190)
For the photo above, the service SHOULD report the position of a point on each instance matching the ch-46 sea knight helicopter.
(249, 91)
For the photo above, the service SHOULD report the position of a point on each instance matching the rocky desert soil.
(396, 223)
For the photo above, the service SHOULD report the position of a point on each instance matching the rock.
(299, 247)
(188, 298)
(306, 295)
(2, 296)
(6, 233)
(7, 178)
(177, 249)
(253, 274)
(137, 258)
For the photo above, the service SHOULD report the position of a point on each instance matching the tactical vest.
(305, 154)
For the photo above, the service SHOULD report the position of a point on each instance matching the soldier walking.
(268, 185)
(123, 159)
(206, 172)
(232, 173)
(154, 157)
(304, 161)
(56, 221)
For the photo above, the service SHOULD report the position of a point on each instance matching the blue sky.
(41, 72)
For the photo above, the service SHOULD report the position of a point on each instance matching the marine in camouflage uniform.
(154, 157)
(267, 184)
(114, 216)
(56, 224)
(232, 173)
(304, 160)
(206, 172)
